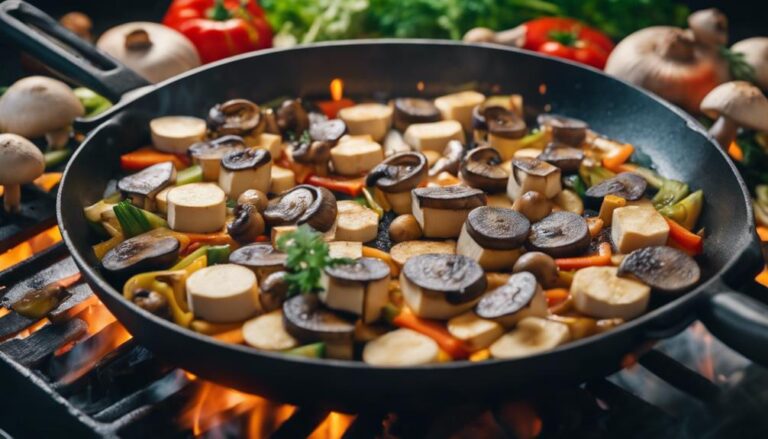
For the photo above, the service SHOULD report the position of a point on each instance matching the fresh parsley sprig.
(307, 257)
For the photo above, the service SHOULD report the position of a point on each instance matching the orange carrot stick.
(618, 157)
(602, 258)
(684, 238)
(434, 330)
(556, 296)
(370, 252)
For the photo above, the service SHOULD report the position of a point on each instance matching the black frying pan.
(677, 144)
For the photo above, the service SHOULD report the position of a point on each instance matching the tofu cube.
(433, 136)
(459, 106)
(353, 158)
(635, 227)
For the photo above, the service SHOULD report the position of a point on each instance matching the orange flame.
(32, 246)
(337, 89)
(420, 86)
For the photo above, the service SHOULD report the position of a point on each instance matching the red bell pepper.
(220, 28)
(568, 38)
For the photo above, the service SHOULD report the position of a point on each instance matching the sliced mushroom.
(308, 320)
(540, 265)
(303, 204)
(197, 208)
(561, 234)
(361, 288)
(267, 332)
(441, 211)
(21, 162)
(261, 258)
(146, 252)
(414, 110)
(566, 130)
(292, 117)
(440, 286)
(236, 116)
(316, 153)
(567, 158)
(482, 169)
(208, 154)
(517, 299)
(273, 291)
(243, 170)
(493, 236)
(450, 160)
(626, 185)
(223, 293)
(504, 123)
(662, 268)
(533, 205)
(247, 224)
(533, 175)
(328, 131)
(396, 176)
(143, 186)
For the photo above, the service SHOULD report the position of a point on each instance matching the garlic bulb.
(154, 51)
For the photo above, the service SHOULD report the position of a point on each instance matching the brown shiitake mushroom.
(398, 173)
(482, 169)
(560, 235)
(305, 318)
(669, 62)
(20, 162)
(497, 228)
(151, 301)
(414, 110)
(261, 258)
(273, 291)
(663, 268)
(303, 204)
(565, 157)
(327, 130)
(247, 224)
(255, 197)
(520, 297)
(208, 154)
(450, 160)
(566, 130)
(735, 104)
(405, 228)
(533, 205)
(292, 117)
(626, 185)
(143, 186)
(504, 123)
(236, 116)
(540, 265)
(316, 153)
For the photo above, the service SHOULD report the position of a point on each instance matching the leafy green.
(93, 102)
(307, 256)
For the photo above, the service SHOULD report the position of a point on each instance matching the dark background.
(747, 18)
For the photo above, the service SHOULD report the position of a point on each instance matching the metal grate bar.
(38, 212)
(32, 350)
(301, 423)
(679, 376)
(365, 425)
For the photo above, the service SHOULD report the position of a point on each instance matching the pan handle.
(41, 36)
(739, 321)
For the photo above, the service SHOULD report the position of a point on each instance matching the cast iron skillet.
(676, 143)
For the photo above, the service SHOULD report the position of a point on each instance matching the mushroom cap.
(20, 160)
(37, 105)
(755, 52)
(740, 101)
(709, 26)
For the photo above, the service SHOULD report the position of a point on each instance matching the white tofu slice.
(282, 179)
(365, 299)
(431, 304)
(401, 347)
(355, 222)
(635, 227)
(477, 333)
(197, 208)
(175, 134)
(533, 335)
(272, 143)
(356, 157)
(533, 175)
(599, 292)
(439, 223)
(405, 250)
(161, 200)
(235, 183)
(223, 293)
(459, 106)
(433, 136)
(345, 249)
(370, 118)
(267, 332)
(489, 259)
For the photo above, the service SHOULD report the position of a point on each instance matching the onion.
(669, 62)
(154, 51)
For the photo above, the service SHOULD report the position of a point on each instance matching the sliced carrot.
(618, 157)
(684, 238)
(234, 336)
(734, 150)
(48, 180)
(556, 296)
(218, 238)
(595, 225)
(434, 330)
(371, 252)
(352, 187)
(762, 232)
(602, 258)
(146, 157)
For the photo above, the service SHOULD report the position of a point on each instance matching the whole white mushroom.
(20, 162)
(39, 106)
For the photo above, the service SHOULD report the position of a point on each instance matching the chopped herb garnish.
(307, 257)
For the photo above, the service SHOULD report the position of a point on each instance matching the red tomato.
(568, 38)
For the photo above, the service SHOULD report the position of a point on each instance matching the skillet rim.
(102, 286)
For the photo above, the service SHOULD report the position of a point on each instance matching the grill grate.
(89, 388)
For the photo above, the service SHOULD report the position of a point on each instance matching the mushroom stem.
(12, 198)
(724, 131)
(58, 139)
